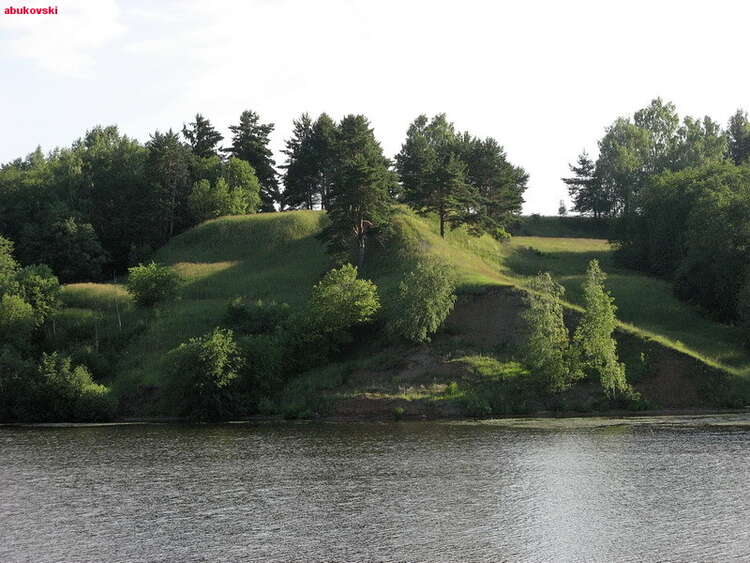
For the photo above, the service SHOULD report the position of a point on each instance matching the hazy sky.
(544, 78)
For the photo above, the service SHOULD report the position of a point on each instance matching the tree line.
(678, 194)
(108, 201)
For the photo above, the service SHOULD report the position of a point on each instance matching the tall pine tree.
(250, 140)
(202, 137)
(360, 200)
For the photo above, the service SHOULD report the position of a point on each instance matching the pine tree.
(360, 200)
(584, 187)
(250, 140)
(738, 131)
(593, 338)
(496, 186)
(432, 174)
(300, 169)
(202, 137)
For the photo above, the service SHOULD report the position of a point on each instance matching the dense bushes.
(201, 371)
(694, 226)
(53, 390)
(152, 284)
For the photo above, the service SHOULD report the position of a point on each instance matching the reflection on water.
(350, 492)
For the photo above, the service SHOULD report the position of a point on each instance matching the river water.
(408, 491)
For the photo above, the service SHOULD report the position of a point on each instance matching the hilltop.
(675, 356)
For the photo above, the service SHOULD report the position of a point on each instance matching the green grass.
(646, 305)
(277, 256)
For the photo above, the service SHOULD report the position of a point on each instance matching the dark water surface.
(374, 492)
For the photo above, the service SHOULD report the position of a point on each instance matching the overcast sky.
(544, 78)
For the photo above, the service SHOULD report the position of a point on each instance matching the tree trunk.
(361, 252)
(442, 226)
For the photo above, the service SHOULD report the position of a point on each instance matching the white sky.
(543, 77)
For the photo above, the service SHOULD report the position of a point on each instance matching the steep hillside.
(277, 257)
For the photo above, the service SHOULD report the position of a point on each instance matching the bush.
(17, 320)
(340, 302)
(152, 284)
(425, 299)
(55, 391)
(201, 371)
(257, 317)
(40, 288)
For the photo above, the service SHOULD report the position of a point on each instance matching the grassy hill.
(277, 257)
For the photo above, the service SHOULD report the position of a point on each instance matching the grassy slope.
(276, 256)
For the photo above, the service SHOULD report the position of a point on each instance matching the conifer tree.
(250, 140)
(202, 137)
(432, 174)
(360, 200)
(584, 187)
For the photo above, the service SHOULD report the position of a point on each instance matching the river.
(587, 490)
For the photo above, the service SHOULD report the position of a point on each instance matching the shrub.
(425, 299)
(40, 288)
(152, 284)
(201, 372)
(340, 302)
(17, 320)
(257, 317)
(64, 392)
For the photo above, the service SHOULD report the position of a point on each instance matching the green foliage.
(340, 302)
(547, 350)
(202, 137)
(257, 317)
(425, 299)
(593, 340)
(39, 287)
(202, 370)
(68, 393)
(462, 179)
(17, 320)
(152, 283)
(51, 391)
(360, 199)
(250, 142)
(311, 160)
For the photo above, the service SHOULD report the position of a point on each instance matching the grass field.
(278, 257)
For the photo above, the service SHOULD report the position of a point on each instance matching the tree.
(624, 154)
(167, 170)
(360, 200)
(562, 210)
(40, 288)
(496, 187)
(425, 298)
(738, 131)
(593, 339)
(202, 137)
(301, 167)
(661, 121)
(152, 284)
(547, 349)
(585, 189)
(432, 174)
(698, 142)
(250, 140)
